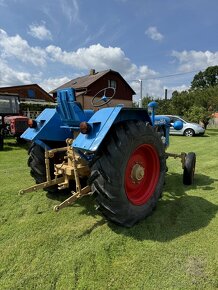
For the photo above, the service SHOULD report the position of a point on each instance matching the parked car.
(189, 129)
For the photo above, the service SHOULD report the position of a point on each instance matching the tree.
(181, 102)
(164, 107)
(198, 114)
(205, 79)
(145, 101)
(201, 101)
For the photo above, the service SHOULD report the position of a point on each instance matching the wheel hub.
(142, 174)
(137, 173)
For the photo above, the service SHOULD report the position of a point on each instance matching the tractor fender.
(48, 127)
(101, 123)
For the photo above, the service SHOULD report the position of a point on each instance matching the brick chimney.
(92, 72)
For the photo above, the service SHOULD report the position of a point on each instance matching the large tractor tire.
(128, 175)
(36, 162)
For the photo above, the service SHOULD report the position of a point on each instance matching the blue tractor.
(117, 154)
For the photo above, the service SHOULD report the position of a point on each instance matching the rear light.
(85, 128)
(32, 123)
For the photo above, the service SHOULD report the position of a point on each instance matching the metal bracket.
(182, 156)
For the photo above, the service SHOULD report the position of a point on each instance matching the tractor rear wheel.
(129, 174)
(36, 162)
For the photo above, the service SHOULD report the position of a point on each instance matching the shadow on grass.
(11, 144)
(172, 219)
(176, 214)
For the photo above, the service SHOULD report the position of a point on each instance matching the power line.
(166, 76)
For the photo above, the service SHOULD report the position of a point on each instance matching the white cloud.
(153, 88)
(101, 58)
(95, 56)
(40, 32)
(195, 60)
(10, 77)
(52, 83)
(176, 88)
(153, 33)
(96, 35)
(71, 10)
(15, 46)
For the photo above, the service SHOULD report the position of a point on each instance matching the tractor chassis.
(72, 169)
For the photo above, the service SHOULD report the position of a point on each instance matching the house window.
(31, 94)
(112, 84)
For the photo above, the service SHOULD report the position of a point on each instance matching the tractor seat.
(71, 111)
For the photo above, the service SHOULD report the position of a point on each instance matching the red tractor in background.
(11, 122)
(15, 126)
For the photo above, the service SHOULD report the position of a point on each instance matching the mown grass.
(175, 248)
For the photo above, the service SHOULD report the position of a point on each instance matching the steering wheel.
(100, 99)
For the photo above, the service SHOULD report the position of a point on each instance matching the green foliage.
(205, 79)
(175, 248)
(181, 102)
(198, 114)
(201, 99)
(36, 107)
(145, 101)
(197, 104)
(164, 107)
(200, 102)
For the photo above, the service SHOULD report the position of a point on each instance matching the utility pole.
(140, 100)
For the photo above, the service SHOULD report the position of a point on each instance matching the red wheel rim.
(142, 174)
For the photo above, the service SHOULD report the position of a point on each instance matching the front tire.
(189, 133)
(129, 174)
(189, 168)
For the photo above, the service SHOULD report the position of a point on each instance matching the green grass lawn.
(175, 248)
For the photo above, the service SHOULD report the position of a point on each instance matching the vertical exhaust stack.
(165, 94)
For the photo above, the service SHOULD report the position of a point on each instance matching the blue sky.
(51, 42)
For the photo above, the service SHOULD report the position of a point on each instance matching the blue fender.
(101, 122)
(48, 128)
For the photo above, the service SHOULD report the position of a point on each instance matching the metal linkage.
(49, 182)
(182, 156)
(76, 195)
(42, 185)
(79, 192)
(72, 168)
